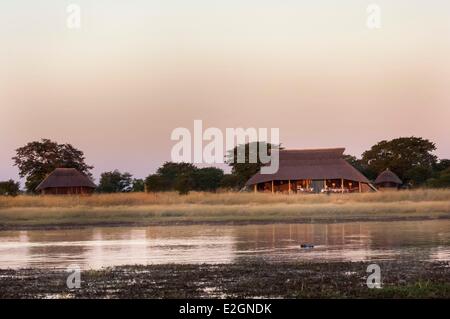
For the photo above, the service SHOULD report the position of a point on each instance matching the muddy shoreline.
(5, 227)
(400, 279)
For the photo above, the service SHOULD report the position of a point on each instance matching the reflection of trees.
(276, 238)
(404, 234)
(99, 247)
(280, 235)
(59, 248)
(17, 255)
(355, 241)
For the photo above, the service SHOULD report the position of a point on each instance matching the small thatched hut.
(388, 180)
(312, 171)
(66, 181)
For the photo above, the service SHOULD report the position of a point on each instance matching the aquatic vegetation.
(242, 280)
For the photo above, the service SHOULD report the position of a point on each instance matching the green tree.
(155, 183)
(360, 166)
(442, 180)
(207, 179)
(410, 158)
(243, 171)
(442, 165)
(138, 185)
(166, 175)
(37, 159)
(419, 175)
(9, 188)
(184, 183)
(115, 182)
(230, 181)
(184, 177)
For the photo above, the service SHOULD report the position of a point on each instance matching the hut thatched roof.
(65, 177)
(315, 164)
(388, 176)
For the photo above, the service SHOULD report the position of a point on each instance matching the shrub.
(9, 188)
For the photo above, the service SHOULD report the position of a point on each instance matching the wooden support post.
(359, 186)
(272, 188)
(342, 185)
(289, 187)
(255, 187)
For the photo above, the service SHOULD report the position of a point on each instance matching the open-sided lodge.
(312, 171)
(66, 181)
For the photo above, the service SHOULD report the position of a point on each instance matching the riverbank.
(53, 212)
(400, 279)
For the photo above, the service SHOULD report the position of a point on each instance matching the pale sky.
(136, 70)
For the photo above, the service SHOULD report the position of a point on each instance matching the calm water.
(101, 247)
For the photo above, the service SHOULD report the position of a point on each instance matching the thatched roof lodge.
(388, 179)
(312, 171)
(66, 181)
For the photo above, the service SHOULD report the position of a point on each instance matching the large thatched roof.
(65, 177)
(388, 176)
(316, 164)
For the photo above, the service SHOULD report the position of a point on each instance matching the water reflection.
(102, 247)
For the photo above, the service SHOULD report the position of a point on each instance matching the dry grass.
(230, 198)
(166, 208)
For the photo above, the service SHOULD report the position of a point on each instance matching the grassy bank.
(171, 208)
(406, 279)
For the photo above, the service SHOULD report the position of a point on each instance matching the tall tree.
(243, 171)
(115, 182)
(37, 159)
(410, 158)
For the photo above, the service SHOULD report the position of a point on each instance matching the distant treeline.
(411, 158)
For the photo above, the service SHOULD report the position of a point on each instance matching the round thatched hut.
(388, 180)
(66, 181)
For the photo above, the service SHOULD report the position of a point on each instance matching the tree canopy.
(442, 165)
(243, 171)
(230, 181)
(9, 188)
(411, 158)
(184, 177)
(166, 176)
(115, 182)
(441, 180)
(138, 185)
(37, 159)
(207, 179)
